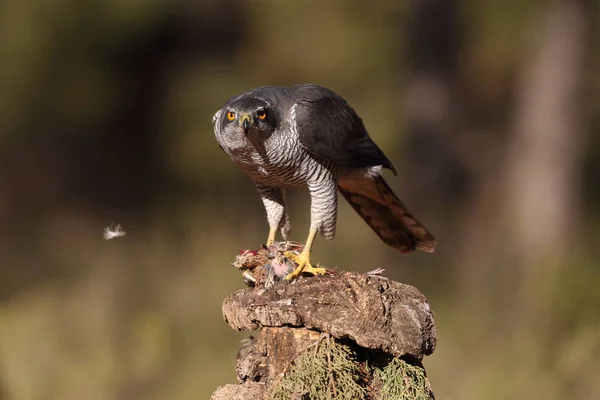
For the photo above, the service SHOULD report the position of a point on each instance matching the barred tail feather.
(383, 211)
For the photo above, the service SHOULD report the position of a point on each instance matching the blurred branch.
(434, 37)
(542, 161)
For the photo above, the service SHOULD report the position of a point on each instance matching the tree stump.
(343, 335)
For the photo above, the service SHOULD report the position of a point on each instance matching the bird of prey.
(308, 135)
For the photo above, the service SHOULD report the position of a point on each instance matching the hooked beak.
(246, 121)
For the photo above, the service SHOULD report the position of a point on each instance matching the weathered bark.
(343, 335)
(245, 391)
(375, 312)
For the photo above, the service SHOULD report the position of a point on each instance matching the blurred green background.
(489, 110)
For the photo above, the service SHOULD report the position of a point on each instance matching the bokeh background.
(489, 110)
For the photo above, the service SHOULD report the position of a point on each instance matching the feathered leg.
(323, 216)
(274, 201)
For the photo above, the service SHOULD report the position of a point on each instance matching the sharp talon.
(304, 265)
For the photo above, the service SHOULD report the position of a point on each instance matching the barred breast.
(283, 162)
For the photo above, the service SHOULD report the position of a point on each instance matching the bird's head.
(247, 119)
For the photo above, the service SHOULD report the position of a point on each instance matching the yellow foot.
(304, 265)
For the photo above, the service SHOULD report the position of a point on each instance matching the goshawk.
(307, 135)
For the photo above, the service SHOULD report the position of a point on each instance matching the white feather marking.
(373, 171)
(293, 127)
(111, 233)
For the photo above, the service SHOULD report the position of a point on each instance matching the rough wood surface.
(245, 391)
(343, 335)
(263, 360)
(374, 312)
(268, 355)
(269, 358)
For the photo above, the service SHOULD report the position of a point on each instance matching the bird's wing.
(330, 129)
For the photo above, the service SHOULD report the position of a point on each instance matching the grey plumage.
(307, 135)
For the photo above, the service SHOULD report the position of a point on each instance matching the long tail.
(379, 206)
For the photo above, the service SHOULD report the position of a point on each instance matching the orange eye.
(230, 115)
(262, 114)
